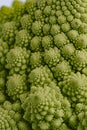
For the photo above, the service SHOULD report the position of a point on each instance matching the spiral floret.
(81, 41)
(67, 51)
(40, 76)
(60, 40)
(35, 59)
(47, 111)
(72, 35)
(83, 28)
(81, 112)
(37, 28)
(6, 121)
(75, 88)
(39, 15)
(23, 38)
(46, 29)
(47, 42)
(76, 23)
(52, 56)
(66, 27)
(52, 20)
(79, 60)
(11, 117)
(47, 10)
(26, 22)
(61, 70)
(55, 29)
(61, 19)
(17, 60)
(16, 85)
(35, 44)
(9, 30)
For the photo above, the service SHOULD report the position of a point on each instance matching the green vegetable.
(11, 119)
(43, 65)
(46, 108)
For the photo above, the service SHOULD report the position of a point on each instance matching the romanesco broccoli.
(43, 65)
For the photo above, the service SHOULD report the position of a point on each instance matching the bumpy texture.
(3, 51)
(17, 60)
(46, 112)
(40, 76)
(75, 87)
(11, 118)
(43, 65)
(16, 85)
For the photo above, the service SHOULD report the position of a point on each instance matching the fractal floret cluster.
(43, 65)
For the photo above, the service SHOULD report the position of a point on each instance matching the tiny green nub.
(16, 85)
(52, 56)
(17, 60)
